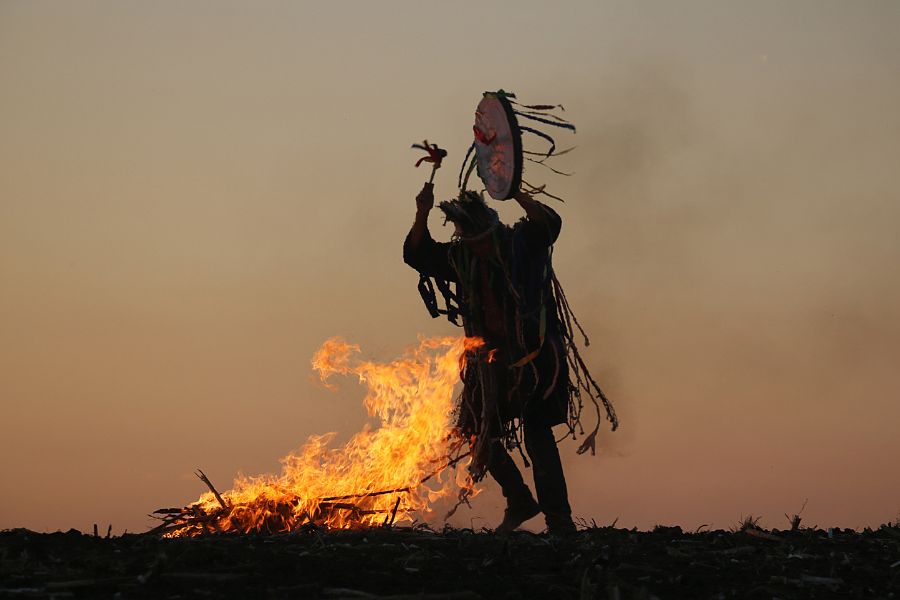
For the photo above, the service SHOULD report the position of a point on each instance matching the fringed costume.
(528, 376)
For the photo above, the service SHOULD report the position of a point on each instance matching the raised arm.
(419, 230)
(542, 224)
(420, 251)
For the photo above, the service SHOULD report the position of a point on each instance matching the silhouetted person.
(516, 388)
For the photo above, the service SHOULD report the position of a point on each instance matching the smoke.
(731, 245)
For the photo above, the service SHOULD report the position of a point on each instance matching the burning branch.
(202, 476)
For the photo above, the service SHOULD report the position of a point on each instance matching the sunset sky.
(195, 195)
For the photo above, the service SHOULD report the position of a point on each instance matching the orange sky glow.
(195, 196)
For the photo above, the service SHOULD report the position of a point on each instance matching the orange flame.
(382, 474)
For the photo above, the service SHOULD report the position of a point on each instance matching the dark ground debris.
(456, 564)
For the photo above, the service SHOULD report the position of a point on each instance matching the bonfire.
(385, 474)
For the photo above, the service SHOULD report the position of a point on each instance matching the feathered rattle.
(435, 156)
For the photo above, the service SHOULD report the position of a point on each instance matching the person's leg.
(549, 480)
(520, 504)
(507, 474)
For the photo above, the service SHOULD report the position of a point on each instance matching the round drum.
(498, 146)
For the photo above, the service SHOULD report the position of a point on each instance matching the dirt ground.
(456, 564)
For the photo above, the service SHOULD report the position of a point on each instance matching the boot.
(517, 513)
(560, 526)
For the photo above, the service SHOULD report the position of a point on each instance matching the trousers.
(549, 480)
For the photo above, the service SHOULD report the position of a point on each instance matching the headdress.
(470, 212)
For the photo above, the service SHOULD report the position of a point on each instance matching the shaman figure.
(526, 374)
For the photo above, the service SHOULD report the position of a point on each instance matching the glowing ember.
(382, 475)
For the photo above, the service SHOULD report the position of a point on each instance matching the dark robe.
(506, 297)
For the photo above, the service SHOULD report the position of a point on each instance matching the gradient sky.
(195, 195)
